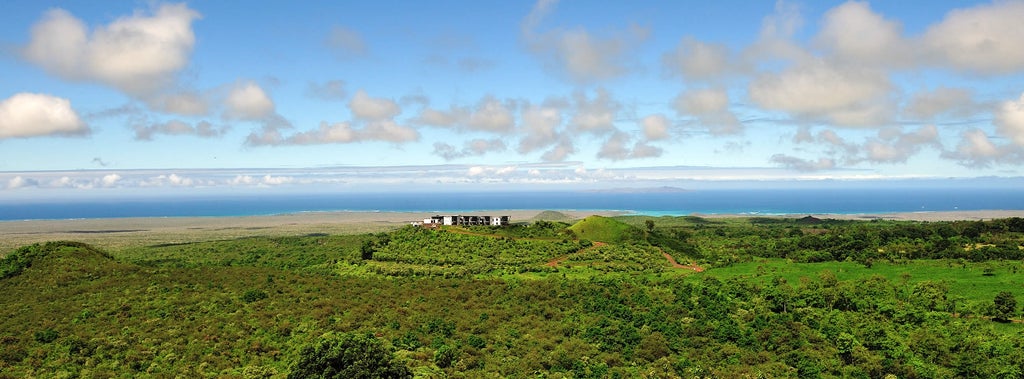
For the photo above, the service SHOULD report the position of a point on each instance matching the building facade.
(465, 220)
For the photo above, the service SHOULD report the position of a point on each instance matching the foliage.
(1005, 306)
(780, 299)
(604, 229)
(348, 356)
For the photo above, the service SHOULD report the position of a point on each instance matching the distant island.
(663, 189)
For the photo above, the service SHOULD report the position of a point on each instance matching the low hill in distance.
(604, 229)
(551, 216)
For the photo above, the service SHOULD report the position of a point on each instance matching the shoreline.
(124, 232)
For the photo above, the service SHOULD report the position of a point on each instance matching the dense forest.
(596, 298)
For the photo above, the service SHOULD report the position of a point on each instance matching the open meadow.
(553, 295)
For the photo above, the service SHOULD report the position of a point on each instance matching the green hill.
(64, 257)
(603, 229)
(551, 216)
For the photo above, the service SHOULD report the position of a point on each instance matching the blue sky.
(159, 96)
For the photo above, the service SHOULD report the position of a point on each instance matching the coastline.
(123, 232)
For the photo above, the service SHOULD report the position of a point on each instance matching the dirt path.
(556, 261)
(675, 264)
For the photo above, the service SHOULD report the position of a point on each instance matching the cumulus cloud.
(853, 33)
(617, 147)
(558, 153)
(801, 164)
(33, 115)
(476, 147)
(540, 125)
(21, 182)
(266, 180)
(342, 132)
(655, 127)
(365, 107)
(711, 108)
(890, 145)
(983, 39)
(1010, 120)
(329, 90)
(110, 180)
(185, 103)
(697, 60)
(894, 146)
(177, 128)
(927, 105)
(247, 101)
(977, 150)
(138, 54)
(488, 115)
(346, 43)
(576, 53)
(595, 115)
(817, 90)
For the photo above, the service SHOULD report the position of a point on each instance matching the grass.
(965, 279)
(605, 229)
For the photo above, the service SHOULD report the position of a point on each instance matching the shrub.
(46, 335)
(253, 295)
(348, 356)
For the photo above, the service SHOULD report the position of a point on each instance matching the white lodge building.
(464, 220)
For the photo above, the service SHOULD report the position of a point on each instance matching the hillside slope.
(604, 229)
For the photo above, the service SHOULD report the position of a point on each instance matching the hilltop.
(604, 229)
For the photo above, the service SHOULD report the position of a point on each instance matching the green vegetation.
(780, 298)
(604, 229)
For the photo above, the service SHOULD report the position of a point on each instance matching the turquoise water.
(753, 202)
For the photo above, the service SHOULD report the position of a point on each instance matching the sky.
(163, 97)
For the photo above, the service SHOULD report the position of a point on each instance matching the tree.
(650, 225)
(1005, 306)
(348, 356)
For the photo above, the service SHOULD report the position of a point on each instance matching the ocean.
(751, 202)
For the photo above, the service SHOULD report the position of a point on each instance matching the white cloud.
(369, 108)
(617, 147)
(702, 101)
(185, 103)
(926, 105)
(560, 151)
(110, 180)
(1010, 120)
(801, 164)
(655, 127)
(853, 33)
(342, 132)
(247, 101)
(33, 115)
(476, 147)
(540, 125)
(597, 115)
(138, 54)
(177, 128)
(576, 53)
(388, 131)
(895, 146)
(711, 107)
(816, 90)
(983, 39)
(489, 115)
(697, 60)
(976, 149)
(492, 115)
(21, 182)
